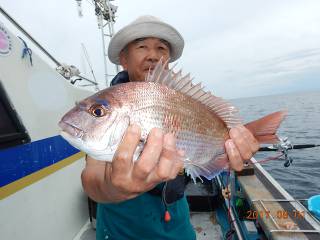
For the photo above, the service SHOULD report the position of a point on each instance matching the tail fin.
(264, 129)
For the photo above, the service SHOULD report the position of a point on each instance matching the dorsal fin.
(183, 84)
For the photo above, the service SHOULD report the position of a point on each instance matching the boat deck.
(206, 225)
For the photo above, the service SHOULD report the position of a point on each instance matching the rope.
(26, 51)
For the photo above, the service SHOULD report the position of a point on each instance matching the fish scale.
(199, 132)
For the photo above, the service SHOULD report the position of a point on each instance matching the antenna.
(79, 8)
(105, 12)
(89, 63)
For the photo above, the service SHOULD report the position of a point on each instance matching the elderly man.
(130, 194)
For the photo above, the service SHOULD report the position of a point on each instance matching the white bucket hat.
(146, 26)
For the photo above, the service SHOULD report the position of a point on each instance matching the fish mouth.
(102, 154)
(71, 129)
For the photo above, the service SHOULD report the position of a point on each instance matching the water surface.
(302, 126)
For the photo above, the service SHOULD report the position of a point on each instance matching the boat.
(40, 188)
(41, 194)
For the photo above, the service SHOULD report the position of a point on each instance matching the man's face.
(142, 54)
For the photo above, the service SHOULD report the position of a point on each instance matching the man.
(127, 209)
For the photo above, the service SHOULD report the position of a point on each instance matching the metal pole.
(105, 12)
(111, 29)
(117, 66)
(100, 17)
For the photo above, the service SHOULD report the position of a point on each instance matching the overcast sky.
(236, 48)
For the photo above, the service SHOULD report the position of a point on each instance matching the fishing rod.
(298, 146)
(284, 146)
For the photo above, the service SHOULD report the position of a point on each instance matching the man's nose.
(153, 55)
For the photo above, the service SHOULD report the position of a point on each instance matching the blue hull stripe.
(21, 161)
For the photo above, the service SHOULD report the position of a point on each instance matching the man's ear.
(123, 57)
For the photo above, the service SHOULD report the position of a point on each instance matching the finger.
(122, 160)
(251, 140)
(179, 164)
(169, 142)
(234, 156)
(241, 143)
(162, 171)
(150, 155)
(118, 190)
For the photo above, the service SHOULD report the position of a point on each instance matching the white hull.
(48, 203)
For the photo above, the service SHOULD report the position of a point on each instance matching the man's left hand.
(241, 146)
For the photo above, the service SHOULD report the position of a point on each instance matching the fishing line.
(167, 215)
(268, 159)
(231, 231)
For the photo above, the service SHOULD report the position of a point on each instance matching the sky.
(235, 48)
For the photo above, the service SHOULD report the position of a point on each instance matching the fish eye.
(98, 111)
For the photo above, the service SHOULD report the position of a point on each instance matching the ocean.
(301, 126)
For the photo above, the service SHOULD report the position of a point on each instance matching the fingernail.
(134, 128)
(230, 144)
(234, 132)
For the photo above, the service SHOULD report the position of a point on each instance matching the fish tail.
(265, 128)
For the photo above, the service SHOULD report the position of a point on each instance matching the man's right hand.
(124, 179)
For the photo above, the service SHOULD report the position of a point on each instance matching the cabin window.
(12, 131)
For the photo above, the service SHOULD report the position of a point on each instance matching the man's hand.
(240, 147)
(124, 179)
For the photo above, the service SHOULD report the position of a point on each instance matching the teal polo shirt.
(143, 218)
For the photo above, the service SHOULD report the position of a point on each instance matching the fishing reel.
(284, 146)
